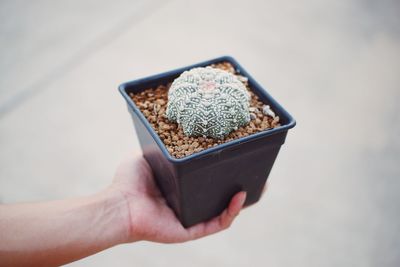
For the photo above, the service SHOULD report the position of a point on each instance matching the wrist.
(116, 214)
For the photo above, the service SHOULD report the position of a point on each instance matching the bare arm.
(131, 209)
(57, 232)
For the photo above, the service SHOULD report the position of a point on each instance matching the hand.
(150, 218)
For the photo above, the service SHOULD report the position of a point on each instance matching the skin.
(131, 209)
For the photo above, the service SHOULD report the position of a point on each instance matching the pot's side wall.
(207, 189)
(164, 171)
(238, 149)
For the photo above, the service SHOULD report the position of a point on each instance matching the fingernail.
(243, 198)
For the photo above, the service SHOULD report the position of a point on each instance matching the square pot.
(199, 187)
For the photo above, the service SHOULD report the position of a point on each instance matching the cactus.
(208, 102)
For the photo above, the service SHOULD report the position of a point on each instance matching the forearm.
(59, 232)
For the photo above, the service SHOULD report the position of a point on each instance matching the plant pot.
(199, 187)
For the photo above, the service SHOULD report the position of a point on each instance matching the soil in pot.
(152, 102)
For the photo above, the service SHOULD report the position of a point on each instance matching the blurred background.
(334, 194)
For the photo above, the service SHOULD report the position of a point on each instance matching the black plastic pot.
(199, 187)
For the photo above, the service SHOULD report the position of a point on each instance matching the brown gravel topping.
(152, 103)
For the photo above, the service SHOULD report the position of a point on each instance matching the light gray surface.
(333, 198)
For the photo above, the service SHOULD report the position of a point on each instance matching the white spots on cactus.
(208, 102)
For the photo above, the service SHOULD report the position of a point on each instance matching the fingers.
(221, 222)
(234, 208)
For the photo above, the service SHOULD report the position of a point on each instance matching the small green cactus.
(208, 102)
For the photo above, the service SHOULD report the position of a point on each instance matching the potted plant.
(206, 144)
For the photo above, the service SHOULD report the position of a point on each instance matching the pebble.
(267, 111)
(185, 147)
(195, 144)
(242, 78)
(253, 109)
(161, 102)
(152, 118)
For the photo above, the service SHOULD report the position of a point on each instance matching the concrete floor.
(334, 190)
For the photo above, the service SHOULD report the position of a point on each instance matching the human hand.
(149, 217)
(131, 209)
